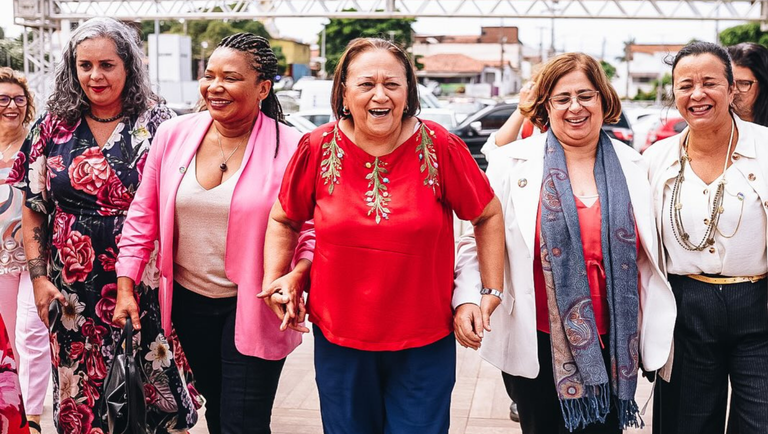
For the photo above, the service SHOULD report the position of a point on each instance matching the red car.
(664, 129)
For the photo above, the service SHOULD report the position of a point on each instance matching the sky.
(570, 34)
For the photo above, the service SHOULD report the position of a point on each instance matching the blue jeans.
(721, 333)
(239, 389)
(385, 392)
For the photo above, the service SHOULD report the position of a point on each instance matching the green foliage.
(212, 32)
(666, 81)
(340, 31)
(610, 70)
(11, 51)
(743, 33)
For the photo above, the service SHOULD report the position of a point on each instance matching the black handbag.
(125, 409)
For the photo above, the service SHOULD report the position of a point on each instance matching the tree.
(610, 70)
(659, 91)
(212, 32)
(743, 33)
(339, 31)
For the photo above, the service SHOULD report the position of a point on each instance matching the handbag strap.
(128, 336)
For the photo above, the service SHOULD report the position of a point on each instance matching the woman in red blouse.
(382, 187)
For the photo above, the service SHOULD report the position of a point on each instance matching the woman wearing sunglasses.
(582, 287)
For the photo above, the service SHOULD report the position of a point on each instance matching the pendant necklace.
(223, 165)
(2, 153)
(675, 214)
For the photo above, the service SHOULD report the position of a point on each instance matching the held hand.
(45, 293)
(126, 306)
(488, 304)
(284, 297)
(468, 323)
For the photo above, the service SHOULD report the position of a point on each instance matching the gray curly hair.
(69, 102)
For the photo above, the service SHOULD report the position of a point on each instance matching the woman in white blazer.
(556, 190)
(710, 187)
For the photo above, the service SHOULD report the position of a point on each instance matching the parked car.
(317, 117)
(300, 123)
(443, 116)
(464, 107)
(664, 129)
(476, 128)
(621, 130)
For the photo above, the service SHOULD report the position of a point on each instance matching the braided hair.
(263, 61)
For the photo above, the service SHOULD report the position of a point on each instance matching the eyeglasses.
(20, 100)
(744, 85)
(585, 99)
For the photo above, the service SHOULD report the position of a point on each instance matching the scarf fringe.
(629, 414)
(592, 408)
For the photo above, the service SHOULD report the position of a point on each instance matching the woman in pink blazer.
(209, 183)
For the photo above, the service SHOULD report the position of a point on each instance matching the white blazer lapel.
(525, 192)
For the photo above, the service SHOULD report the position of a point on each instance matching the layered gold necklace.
(675, 209)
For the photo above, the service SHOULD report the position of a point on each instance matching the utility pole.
(502, 40)
(323, 74)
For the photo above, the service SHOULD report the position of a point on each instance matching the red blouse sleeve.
(297, 192)
(465, 187)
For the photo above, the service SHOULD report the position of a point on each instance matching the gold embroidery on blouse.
(426, 150)
(330, 166)
(377, 197)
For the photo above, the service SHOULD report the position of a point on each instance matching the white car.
(444, 117)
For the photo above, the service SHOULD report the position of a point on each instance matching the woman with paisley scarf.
(584, 295)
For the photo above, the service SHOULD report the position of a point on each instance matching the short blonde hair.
(8, 75)
(555, 69)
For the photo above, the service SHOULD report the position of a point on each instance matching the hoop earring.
(345, 111)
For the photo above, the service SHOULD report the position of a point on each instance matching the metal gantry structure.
(43, 17)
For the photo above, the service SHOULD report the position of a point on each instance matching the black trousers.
(537, 402)
(239, 390)
(721, 334)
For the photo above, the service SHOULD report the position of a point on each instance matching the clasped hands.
(470, 321)
(285, 296)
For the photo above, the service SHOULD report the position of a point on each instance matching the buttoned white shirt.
(741, 239)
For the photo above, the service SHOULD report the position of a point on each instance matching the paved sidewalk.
(480, 404)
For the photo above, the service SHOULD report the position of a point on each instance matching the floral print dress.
(12, 417)
(86, 191)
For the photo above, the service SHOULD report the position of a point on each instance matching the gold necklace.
(675, 214)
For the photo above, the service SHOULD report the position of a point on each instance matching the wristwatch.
(491, 291)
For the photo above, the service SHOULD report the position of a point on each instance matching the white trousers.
(29, 338)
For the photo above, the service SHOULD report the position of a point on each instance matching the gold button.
(711, 250)
(367, 165)
(752, 177)
(706, 191)
(706, 222)
(736, 156)
(522, 182)
(766, 203)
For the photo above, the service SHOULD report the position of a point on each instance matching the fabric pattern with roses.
(13, 419)
(86, 191)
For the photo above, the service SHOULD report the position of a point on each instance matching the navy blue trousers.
(239, 390)
(721, 334)
(385, 392)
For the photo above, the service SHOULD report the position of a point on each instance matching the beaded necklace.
(675, 215)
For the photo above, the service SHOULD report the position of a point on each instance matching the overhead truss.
(42, 17)
(35, 10)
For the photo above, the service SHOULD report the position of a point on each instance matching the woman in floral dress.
(79, 168)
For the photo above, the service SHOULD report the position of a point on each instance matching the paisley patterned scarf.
(584, 387)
